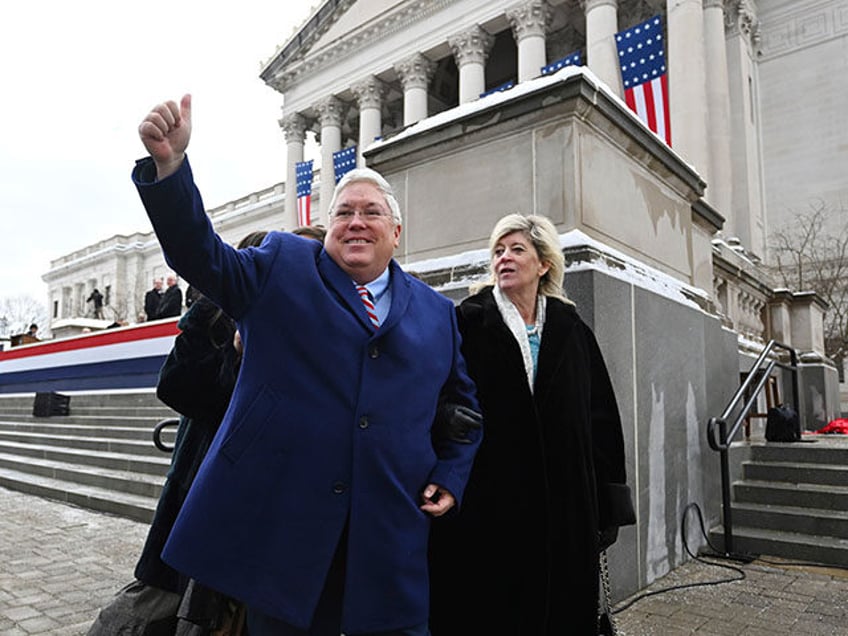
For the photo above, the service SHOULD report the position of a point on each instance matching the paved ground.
(774, 598)
(59, 564)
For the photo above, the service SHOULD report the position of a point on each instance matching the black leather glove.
(607, 537)
(454, 422)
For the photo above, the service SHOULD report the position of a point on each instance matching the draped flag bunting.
(642, 61)
(344, 161)
(569, 60)
(303, 171)
(499, 89)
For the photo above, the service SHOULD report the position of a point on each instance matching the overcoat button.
(363, 422)
(374, 352)
(339, 487)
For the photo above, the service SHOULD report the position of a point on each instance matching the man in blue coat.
(313, 504)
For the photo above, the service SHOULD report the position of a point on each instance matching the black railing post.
(793, 360)
(725, 437)
(725, 488)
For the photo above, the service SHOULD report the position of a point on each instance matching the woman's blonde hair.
(543, 236)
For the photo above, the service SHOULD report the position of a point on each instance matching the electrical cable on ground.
(741, 573)
(716, 554)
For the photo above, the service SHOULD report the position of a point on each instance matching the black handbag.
(782, 424)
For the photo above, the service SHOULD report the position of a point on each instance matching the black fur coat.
(521, 556)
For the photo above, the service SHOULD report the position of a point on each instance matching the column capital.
(471, 46)
(329, 111)
(415, 71)
(529, 19)
(741, 16)
(715, 4)
(588, 5)
(369, 92)
(293, 126)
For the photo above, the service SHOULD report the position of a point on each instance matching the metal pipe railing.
(720, 439)
(157, 434)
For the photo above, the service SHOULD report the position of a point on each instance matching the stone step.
(824, 550)
(82, 442)
(135, 507)
(811, 496)
(124, 481)
(814, 450)
(796, 472)
(142, 433)
(147, 464)
(121, 399)
(127, 419)
(76, 408)
(101, 456)
(831, 523)
(122, 406)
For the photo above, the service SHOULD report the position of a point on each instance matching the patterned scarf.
(516, 325)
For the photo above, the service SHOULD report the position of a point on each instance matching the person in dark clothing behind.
(317, 232)
(171, 304)
(96, 298)
(191, 295)
(196, 380)
(152, 299)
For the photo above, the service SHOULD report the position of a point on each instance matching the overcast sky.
(77, 79)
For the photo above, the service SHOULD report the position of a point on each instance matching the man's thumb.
(185, 108)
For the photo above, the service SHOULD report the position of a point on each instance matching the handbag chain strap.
(607, 593)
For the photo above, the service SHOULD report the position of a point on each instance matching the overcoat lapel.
(559, 324)
(343, 288)
(504, 342)
(401, 294)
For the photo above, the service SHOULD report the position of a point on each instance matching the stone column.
(369, 94)
(529, 24)
(471, 49)
(686, 82)
(294, 129)
(330, 115)
(718, 110)
(748, 207)
(601, 51)
(415, 74)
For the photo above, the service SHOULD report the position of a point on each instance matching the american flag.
(303, 171)
(643, 71)
(344, 161)
(498, 89)
(568, 60)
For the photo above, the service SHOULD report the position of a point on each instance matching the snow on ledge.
(625, 268)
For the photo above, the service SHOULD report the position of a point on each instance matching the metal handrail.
(718, 425)
(157, 434)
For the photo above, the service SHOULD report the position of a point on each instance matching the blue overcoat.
(330, 423)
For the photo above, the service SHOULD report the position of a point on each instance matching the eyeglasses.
(369, 216)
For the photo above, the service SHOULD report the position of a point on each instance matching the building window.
(55, 308)
(107, 294)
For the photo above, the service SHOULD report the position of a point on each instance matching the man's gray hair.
(367, 175)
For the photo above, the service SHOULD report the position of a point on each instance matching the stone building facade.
(123, 267)
(663, 244)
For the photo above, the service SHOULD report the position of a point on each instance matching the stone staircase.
(101, 456)
(791, 500)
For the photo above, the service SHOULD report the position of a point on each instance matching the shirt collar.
(378, 286)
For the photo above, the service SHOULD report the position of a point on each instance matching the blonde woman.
(548, 485)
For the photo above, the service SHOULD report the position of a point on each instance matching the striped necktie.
(369, 305)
